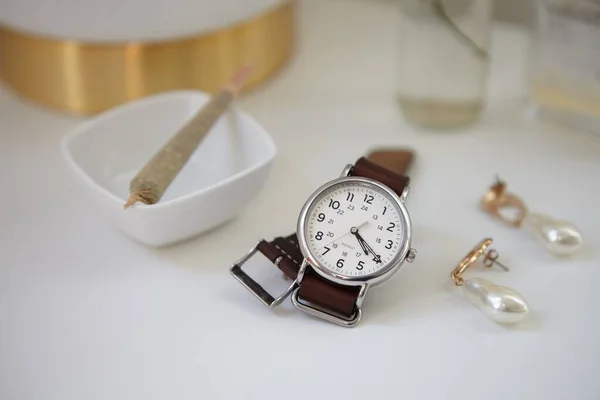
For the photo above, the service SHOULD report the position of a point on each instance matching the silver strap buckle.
(265, 297)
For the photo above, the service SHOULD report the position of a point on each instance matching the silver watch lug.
(301, 271)
(361, 295)
(404, 194)
(346, 171)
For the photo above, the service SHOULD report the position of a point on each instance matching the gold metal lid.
(88, 78)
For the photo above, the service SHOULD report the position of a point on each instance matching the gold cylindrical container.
(87, 78)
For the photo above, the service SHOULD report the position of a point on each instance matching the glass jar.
(565, 62)
(444, 60)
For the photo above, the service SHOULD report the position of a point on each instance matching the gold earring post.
(491, 258)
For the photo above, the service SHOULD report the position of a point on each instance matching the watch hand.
(366, 248)
(346, 234)
(362, 245)
(376, 257)
(361, 225)
(335, 240)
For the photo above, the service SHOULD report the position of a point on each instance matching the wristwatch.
(353, 233)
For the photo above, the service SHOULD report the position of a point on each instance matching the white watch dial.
(354, 229)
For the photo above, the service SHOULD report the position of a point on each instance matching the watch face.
(354, 229)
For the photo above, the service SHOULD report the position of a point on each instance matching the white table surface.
(86, 313)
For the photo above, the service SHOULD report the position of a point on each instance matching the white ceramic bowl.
(223, 175)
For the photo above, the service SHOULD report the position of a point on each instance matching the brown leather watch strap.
(393, 178)
(398, 161)
(385, 166)
(314, 289)
(287, 248)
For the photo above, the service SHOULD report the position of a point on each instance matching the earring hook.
(497, 198)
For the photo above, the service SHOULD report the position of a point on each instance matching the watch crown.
(412, 254)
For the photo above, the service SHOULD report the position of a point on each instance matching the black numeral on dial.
(326, 250)
(389, 244)
(350, 197)
(391, 227)
(368, 199)
(321, 217)
(360, 265)
(319, 235)
(340, 263)
(334, 204)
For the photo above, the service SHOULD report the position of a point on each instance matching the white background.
(86, 313)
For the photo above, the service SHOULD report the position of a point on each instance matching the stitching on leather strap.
(285, 253)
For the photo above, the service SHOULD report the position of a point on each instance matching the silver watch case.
(369, 280)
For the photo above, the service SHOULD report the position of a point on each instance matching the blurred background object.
(444, 60)
(565, 62)
(513, 11)
(88, 56)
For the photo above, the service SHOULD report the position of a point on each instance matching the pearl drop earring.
(560, 237)
(500, 303)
